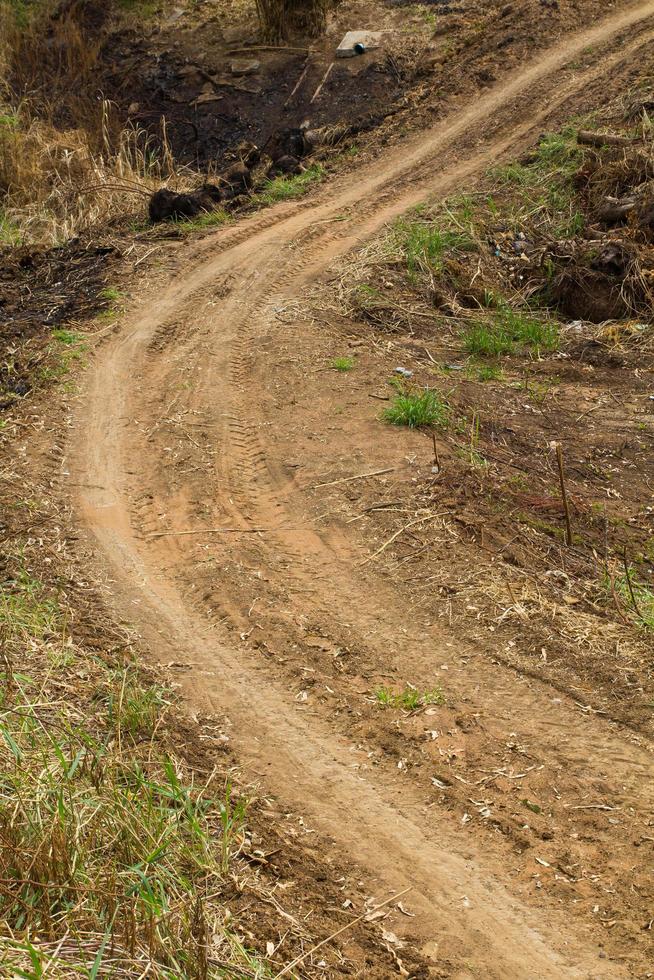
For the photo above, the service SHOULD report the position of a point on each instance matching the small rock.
(244, 67)
(206, 97)
(356, 42)
(404, 372)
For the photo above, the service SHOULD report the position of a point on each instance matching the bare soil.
(263, 588)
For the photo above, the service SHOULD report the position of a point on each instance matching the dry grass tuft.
(54, 185)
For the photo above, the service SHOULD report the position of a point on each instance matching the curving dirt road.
(199, 346)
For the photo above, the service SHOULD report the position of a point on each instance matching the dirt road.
(261, 615)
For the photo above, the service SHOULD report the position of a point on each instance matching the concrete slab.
(356, 42)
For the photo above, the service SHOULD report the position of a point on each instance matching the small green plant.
(410, 699)
(534, 807)
(288, 188)
(417, 409)
(488, 372)
(111, 294)
(510, 329)
(342, 364)
(69, 338)
(475, 457)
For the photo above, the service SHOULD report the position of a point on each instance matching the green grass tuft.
(342, 364)
(410, 699)
(206, 219)
(417, 409)
(509, 330)
(9, 232)
(288, 188)
(425, 246)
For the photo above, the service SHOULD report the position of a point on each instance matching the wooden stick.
(629, 585)
(589, 138)
(349, 479)
(324, 79)
(420, 520)
(564, 495)
(298, 83)
(348, 925)
(218, 530)
(266, 47)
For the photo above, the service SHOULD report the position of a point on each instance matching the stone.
(356, 42)
(206, 97)
(244, 67)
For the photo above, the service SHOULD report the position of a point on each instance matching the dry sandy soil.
(217, 474)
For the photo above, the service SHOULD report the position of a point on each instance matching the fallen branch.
(564, 495)
(324, 79)
(219, 530)
(588, 138)
(630, 586)
(420, 520)
(593, 806)
(298, 83)
(349, 479)
(348, 925)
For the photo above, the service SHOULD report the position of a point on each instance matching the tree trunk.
(279, 18)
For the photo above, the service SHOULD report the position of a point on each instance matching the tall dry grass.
(67, 161)
(55, 184)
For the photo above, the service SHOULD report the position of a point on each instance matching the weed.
(509, 329)
(26, 610)
(342, 364)
(475, 457)
(488, 372)
(287, 188)
(206, 219)
(409, 699)
(417, 409)
(9, 231)
(70, 338)
(144, 8)
(532, 806)
(485, 340)
(111, 294)
(425, 246)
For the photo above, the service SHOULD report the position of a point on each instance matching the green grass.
(342, 364)
(9, 232)
(110, 852)
(410, 699)
(486, 372)
(26, 611)
(70, 338)
(417, 409)
(510, 330)
(111, 294)
(69, 348)
(425, 247)
(288, 188)
(206, 219)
